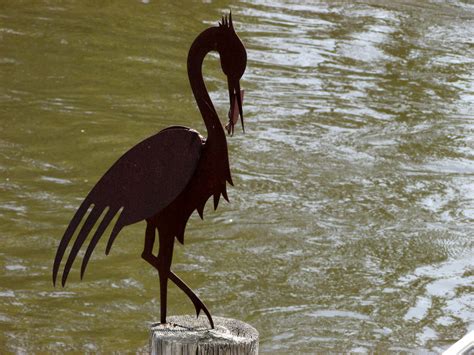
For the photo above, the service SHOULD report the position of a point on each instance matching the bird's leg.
(148, 256)
(165, 256)
(162, 263)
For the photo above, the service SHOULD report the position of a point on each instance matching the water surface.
(350, 226)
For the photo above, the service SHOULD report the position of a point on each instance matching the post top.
(191, 329)
(196, 335)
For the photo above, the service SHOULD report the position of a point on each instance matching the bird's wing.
(141, 183)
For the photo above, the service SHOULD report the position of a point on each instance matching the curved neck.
(202, 45)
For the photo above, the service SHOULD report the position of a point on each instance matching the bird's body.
(209, 179)
(167, 176)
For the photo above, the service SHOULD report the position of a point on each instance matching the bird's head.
(233, 62)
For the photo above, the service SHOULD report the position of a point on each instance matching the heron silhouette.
(167, 176)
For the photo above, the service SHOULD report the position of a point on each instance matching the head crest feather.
(227, 22)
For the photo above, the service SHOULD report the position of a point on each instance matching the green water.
(350, 226)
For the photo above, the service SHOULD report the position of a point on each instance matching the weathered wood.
(185, 335)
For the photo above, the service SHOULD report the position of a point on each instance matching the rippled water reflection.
(350, 226)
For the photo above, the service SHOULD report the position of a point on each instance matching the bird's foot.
(198, 304)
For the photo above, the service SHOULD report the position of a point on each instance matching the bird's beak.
(236, 97)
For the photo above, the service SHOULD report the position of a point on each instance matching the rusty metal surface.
(167, 176)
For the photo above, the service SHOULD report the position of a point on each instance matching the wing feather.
(71, 228)
(81, 237)
(115, 231)
(95, 238)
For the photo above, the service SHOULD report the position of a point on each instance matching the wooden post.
(188, 335)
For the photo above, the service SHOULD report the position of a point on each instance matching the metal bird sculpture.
(167, 176)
